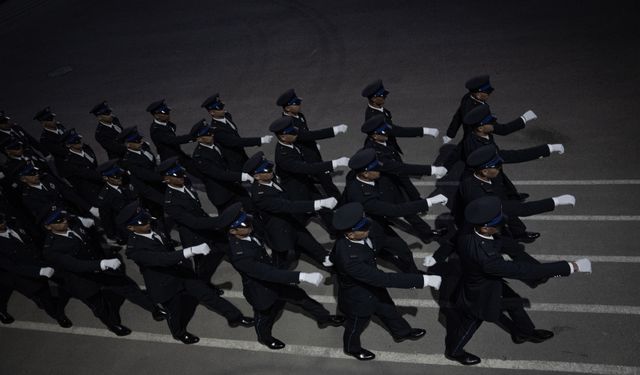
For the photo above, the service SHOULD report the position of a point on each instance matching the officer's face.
(293, 109)
(288, 138)
(145, 228)
(58, 227)
(377, 101)
(107, 119)
(491, 172)
(370, 175)
(31, 180)
(485, 129)
(162, 117)
(241, 232)
(488, 231)
(15, 153)
(51, 124)
(379, 137)
(357, 235)
(482, 96)
(113, 180)
(3, 226)
(217, 113)
(264, 177)
(76, 146)
(174, 181)
(134, 146)
(206, 139)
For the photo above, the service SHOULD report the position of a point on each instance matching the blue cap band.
(53, 217)
(490, 118)
(486, 87)
(203, 131)
(495, 221)
(141, 218)
(381, 92)
(265, 167)
(290, 130)
(362, 225)
(243, 221)
(133, 137)
(373, 166)
(113, 171)
(174, 171)
(497, 160)
(382, 129)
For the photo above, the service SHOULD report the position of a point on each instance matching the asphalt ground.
(575, 63)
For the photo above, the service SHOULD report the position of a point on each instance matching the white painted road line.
(428, 303)
(532, 182)
(447, 216)
(326, 352)
(555, 257)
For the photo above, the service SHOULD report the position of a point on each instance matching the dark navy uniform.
(231, 143)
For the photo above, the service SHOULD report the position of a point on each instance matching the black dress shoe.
(120, 330)
(6, 318)
(64, 322)
(439, 232)
(538, 336)
(273, 344)
(464, 358)
(527, 237)
(414, 334)
(187, 338)
(244, 321)
(333, 321)
(159, 314)
(362, 355)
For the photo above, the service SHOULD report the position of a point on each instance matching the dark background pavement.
(575, 63)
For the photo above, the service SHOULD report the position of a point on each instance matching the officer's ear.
(130, 228)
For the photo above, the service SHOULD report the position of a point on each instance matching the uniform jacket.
(306, 140)
(52, 144)
(396, 130)
(27, 139)
(361, 284)
(231, 143)
(222, 183)
(296, 174)
(82, 174)
(261, 280)
(467, 103)
(166, 141)
(483, 273)
(35, 200)
(143, 167)
(164, 269)
(107, 138)
(21, 263)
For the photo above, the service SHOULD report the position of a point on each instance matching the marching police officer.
(362, 286)
(484, 295)
(306, 140)
(376, 95)
(480, 89)
(285, 234)
(79, 167)
(98, 282)
(228, 137)
(363, 187)
(108, 130)
(222, 183)
(169, 275)
(9, 130)
(266, 287)
(51, 136)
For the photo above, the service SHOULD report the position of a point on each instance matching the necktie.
(88, 157)
(230, 124)
(76, 235)
(276, 186)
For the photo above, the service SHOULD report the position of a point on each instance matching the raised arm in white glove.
(329, 203)
(340, 162)
(430, 131)
(342, 128)
(86, 222)
(446, 140)
(265, 139)
(47, 272)
(580, 265)
(557, 147)
(202, 249)
(564, 200)
(246, 177)
(528, 116)
(438, 199)
(438, 172)
(433, 281)
(327, 262)
(112, 263)
(94, 211)
(429, 261)
(314, 278)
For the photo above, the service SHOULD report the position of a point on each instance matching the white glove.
(94, 211)
(327, 262)
(86, 222)
(202, 249)
(433, 281)
(314, 278)
(112, 263)
(430, 131)
(265, 139)
(329, 203)
(528, 116)
(340, 162)
(47, 272)
(246, 177)
(429, 261)
(558, 147)
(438, 199)
(446, 140)
(342, 128)
(564, 200)
(584, 265)
(438, 172)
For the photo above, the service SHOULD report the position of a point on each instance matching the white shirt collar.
(134, 151)
(51, 131)
(114, 186)
(290, 115)
(382, 143)
(39, 186)
(483, 236)
(381, 109)
(486, 182)
(180, 189)
(66, 234)
(372, 183)
(159, 122)
(207, 146)
(76, 152)
(147, 235)
(112, 125)
(286, 145)
(6, 131)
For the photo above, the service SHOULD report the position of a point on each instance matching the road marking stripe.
(447, 216)
(555, 258)
(531, 182)
(327, 352)
(547, 307)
